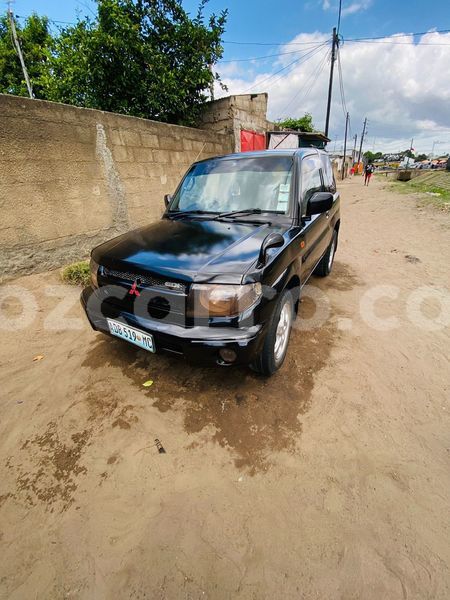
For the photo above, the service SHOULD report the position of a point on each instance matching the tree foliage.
(146, 58)
(371, 156)
(304, 123)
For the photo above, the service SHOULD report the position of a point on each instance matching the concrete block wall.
(71, 178)
(232, 114)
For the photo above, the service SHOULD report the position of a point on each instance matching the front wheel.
(276, 342)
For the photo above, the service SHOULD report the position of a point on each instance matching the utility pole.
(434, 144)
(345, 147)
(334, 47)
(355, 137)
(19, 50)
(362, 139)
(211, 87)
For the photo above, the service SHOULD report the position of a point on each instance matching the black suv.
(218, 278)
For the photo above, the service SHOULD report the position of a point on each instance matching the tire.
(276, 341)
(326, 262)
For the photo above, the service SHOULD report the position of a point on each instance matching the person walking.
(368, 170)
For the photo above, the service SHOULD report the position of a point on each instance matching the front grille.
(147, 280)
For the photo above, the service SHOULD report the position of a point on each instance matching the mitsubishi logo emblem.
(134, 289)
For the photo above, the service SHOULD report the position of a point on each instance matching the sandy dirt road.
(331, 480)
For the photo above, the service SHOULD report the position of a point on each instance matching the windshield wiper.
(178, 213)
(246, 211)
(243, 212)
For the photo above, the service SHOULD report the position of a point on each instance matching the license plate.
(132, 335)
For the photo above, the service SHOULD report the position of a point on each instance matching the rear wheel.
(326, 262)
(276, 342)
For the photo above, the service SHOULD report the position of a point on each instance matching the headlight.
(94, 272)
(222, 300)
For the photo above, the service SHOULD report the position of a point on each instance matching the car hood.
(188, 249)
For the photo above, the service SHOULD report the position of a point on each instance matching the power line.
(341, 85)
(342, 94)
(399, 43)
(381, 37)
(317, 73)
(316, 51)
(307, 56)
(266, 56)
(268, 43)
(50, 20)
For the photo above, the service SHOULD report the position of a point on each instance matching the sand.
(329, 480)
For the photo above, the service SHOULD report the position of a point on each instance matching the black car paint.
(191, 249)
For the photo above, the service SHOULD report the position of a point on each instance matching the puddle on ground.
(57, 464)
(50, 464)
(342, 279)
(251, 415)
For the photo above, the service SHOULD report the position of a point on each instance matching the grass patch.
(431, 189)
(77, 273)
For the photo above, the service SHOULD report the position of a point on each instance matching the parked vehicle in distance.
(218, 278)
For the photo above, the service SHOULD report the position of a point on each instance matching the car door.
(329, 183)
(315, 230)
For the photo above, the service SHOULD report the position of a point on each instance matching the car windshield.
(227, 185)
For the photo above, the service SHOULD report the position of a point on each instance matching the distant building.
(295, 139)
(337, 159)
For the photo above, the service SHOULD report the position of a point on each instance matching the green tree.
(422, 157)
(371, 156)
(145, 58)
(304, 123)
(36, 43)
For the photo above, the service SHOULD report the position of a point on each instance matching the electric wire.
(317, 72)
(382, 39)
(419, 45)
(266, 56)
(305, 57)
(362, 39)
(341, 85)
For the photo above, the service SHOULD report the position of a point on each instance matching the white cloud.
(348, 9)
(355, 7)
(402, 88)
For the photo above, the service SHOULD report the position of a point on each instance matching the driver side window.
(311, 177)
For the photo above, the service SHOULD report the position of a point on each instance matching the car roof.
(262, 153)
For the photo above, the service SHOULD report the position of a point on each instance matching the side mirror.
(319, 202)
(167, 199)
(273, 240)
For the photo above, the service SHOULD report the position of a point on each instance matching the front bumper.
(200, 344)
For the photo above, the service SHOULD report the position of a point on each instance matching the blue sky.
(382, 17)
(403, 88)
(281, 20)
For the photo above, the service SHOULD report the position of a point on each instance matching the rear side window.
(328, 175)
(311, 177)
